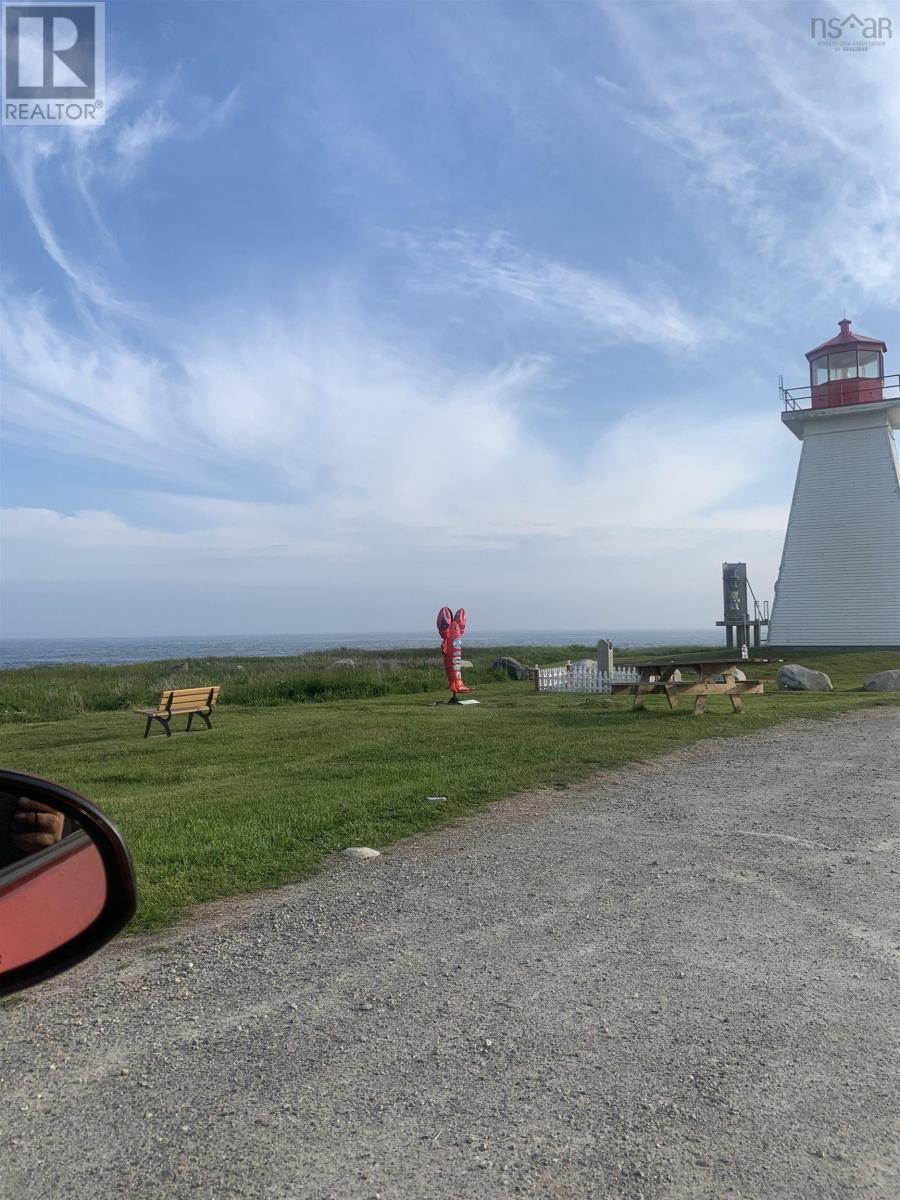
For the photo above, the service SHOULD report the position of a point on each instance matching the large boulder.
(794, 678)
(511, 667)
(883, 681)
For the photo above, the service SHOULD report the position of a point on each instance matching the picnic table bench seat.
(195, 702)
(714, 678)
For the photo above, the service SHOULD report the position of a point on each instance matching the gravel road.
(676, 980)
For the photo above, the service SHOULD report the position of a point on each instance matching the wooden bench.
(196, 702)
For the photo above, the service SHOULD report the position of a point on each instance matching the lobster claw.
(444, 620)
(460, 620)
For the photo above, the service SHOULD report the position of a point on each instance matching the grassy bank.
(278, 786)
(53, 693)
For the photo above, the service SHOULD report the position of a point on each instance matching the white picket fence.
(582, 678)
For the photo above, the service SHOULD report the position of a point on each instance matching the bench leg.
(202, 716)
(164, 721)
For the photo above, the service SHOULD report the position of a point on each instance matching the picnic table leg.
(699, 705)
(639, 696)
(672, 696)
(737, 703)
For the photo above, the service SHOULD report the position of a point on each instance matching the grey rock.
(361, 852)
(513, 668)
(883, 681)
(794, 678)
(738, 674)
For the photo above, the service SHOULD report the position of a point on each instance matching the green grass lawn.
(276, 787)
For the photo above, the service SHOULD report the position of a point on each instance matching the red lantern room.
(847, 369)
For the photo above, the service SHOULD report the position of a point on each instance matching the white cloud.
(400, 471)
(269, 567)
(26, 159)
(766, 132)
(52, 167)
(777, 155)
(565, 295)
(319, 405)
(135, 140)
(402, 476)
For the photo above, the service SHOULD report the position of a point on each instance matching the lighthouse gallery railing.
(800, 398)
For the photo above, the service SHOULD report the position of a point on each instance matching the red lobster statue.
(451, 628)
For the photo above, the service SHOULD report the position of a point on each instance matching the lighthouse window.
(842, 366)
(820, 370)
(869, 366)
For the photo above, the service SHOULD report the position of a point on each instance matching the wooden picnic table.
(659, 676)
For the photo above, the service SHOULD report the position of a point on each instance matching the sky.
(352, 310)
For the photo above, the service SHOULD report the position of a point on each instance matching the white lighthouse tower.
(839, 583)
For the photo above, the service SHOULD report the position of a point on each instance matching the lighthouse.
(839, 582)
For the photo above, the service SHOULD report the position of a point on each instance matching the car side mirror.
(66, 880)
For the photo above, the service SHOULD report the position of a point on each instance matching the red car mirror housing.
(67, 882)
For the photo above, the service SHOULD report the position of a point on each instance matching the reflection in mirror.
(52, 880)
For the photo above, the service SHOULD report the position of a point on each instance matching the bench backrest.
(178, 700)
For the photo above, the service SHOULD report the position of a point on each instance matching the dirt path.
(674, 981)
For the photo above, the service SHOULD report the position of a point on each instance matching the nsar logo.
(851, 33)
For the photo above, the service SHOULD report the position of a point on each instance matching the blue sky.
(353, 310)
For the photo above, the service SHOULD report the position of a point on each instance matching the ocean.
(31, 652)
